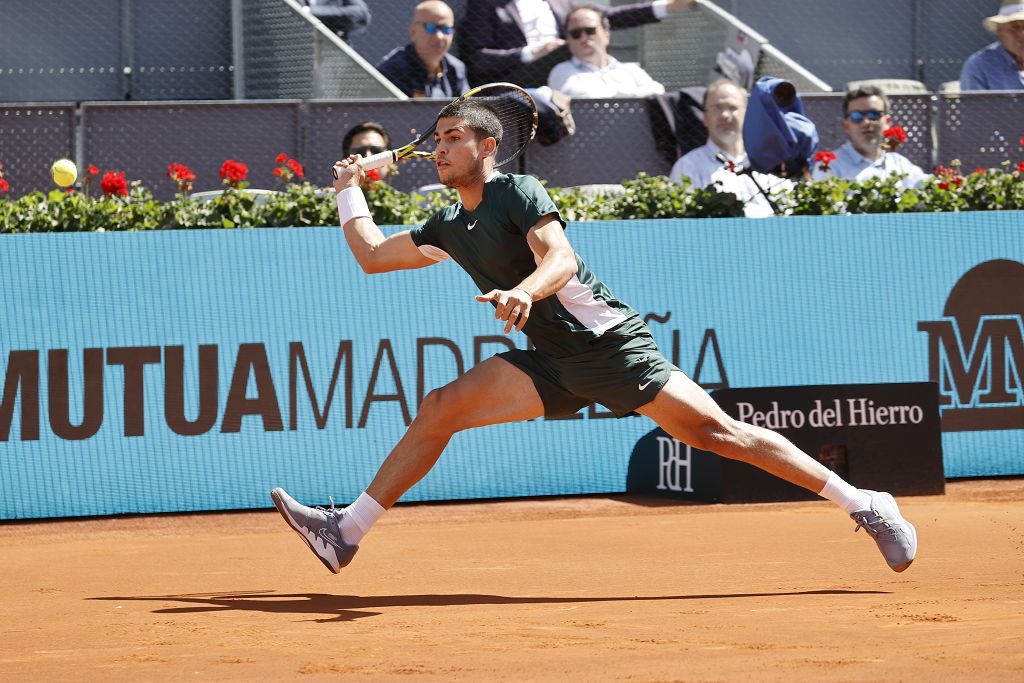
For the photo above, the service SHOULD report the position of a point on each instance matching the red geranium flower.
(180, 173)
(895, 133)
(233, 172)
(949, 178)
(183, 175)
(1020, 167)
(288, 169)
(979, 171)
(372, 179)
(1022, 141)
(894, 137)
(824, 157)
(113, 182)
(92, 170)
(4, 186)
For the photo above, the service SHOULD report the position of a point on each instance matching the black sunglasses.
(432, 28)
(870, 115)
(577, 33)
(367, 150)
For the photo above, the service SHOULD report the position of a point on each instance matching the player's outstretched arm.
(374, 252)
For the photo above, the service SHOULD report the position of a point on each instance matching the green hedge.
(644, 197)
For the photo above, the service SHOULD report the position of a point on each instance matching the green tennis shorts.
(623, 370)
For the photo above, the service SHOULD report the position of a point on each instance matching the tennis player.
(589, 347)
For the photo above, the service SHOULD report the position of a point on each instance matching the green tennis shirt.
(489, 243)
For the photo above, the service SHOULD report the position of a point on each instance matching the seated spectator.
(424, 68)
(999, 66)
(344, 17)
(865, 118)
(725, 104)
(592, 72)
(521, 40)
(366, 138)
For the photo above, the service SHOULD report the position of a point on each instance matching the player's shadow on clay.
(351, 607)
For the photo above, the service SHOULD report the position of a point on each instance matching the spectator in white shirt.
(592, 72)
(865, 119)
(725, 104)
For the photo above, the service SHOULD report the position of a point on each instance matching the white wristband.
(352, 204)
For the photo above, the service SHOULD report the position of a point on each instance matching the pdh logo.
(976, 351)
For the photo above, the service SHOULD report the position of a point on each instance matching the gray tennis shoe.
(318, 527)
(895, 536)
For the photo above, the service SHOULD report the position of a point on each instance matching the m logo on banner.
(976, 353)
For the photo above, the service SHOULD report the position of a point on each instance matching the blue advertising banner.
(196, 370)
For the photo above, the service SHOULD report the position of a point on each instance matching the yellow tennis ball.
(64, 172)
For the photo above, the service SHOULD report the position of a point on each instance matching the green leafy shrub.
(645, 197)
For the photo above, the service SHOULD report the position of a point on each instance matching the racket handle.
(373, 161)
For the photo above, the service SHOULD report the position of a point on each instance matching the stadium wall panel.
(166, 371)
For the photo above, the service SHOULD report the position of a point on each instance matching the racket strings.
(518, 117)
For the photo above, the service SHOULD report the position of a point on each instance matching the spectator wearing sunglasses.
(424, 68)
(366, 138)
(521, 40)
(592, 72)
(863, 156)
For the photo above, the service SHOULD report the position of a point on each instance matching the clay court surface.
(553, 589)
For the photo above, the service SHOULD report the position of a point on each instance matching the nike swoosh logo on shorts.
(643, 386)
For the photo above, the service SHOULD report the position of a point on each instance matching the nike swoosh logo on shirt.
(643, 386)
(471, 225)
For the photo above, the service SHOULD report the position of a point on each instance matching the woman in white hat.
(999, 66)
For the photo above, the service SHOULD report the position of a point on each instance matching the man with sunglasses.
(865, 118)
(592, 72)
(424, 67)
(521, 40)
(367, 138)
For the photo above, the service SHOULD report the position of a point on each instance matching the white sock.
(359, 517)
(844, 495)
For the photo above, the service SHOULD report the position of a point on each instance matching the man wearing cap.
(999, 66)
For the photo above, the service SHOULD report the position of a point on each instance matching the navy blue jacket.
(403, 67)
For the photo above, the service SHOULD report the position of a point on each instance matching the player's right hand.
(348, 173)
(510, 305)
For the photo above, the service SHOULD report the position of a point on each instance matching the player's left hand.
(512, 305)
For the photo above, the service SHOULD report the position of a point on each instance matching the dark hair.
(364, 127)
(593, 8)
(864, 91)
(477, 115)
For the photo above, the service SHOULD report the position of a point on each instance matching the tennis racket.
(514, 108)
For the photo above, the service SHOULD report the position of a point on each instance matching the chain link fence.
(135, 85)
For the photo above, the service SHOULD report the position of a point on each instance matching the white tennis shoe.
(318, 527)
(895, 536)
